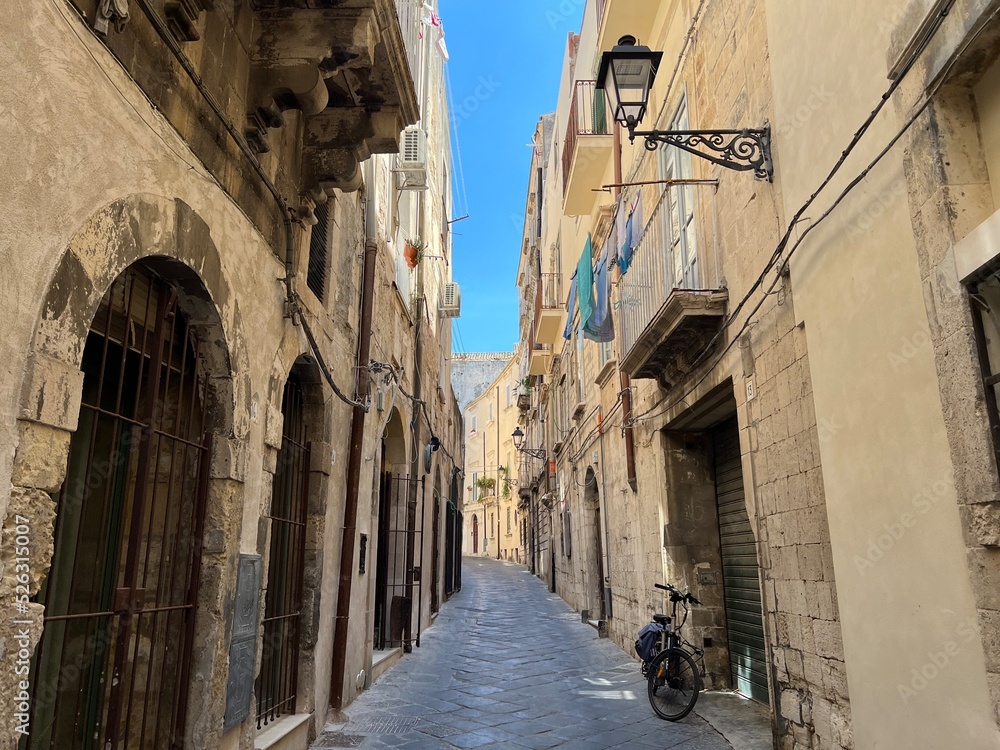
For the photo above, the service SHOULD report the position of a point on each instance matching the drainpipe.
(626, 391)
(354, 461)
(416, 454)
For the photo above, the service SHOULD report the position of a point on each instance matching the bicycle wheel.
(673, 684)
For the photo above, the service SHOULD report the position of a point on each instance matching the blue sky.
(506, 59)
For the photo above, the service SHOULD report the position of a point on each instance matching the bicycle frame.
(671, 635)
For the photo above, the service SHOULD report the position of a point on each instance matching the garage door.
(740, 572)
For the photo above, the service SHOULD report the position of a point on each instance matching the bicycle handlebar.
(684, 597)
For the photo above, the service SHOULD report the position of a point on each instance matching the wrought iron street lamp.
(518, 436)
(626, 75)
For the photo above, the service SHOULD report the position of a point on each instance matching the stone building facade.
(200, 199)
(796, 418)
(472, 373)
(490, 507)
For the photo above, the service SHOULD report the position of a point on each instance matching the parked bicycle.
(673, 667)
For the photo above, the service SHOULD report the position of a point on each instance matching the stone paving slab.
(509, 665)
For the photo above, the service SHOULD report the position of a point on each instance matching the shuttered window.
(319, 243)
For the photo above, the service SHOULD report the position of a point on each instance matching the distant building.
(472, 374)
(493, 518)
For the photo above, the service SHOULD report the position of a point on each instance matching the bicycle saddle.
(664, 619)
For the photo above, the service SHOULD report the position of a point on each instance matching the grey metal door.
(740, 570)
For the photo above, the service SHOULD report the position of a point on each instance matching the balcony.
(616, 18)
(550, 308)
(668, 313)
(539, 358)
(346, 69)
(588, 148)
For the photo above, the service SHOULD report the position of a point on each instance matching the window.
(508, 394)
(276, 688)
(490, 419)
(475, 423)
(677, 214)
(607, 352)
(508, 520)
(492, 527)
(319, 243)
(986, 317)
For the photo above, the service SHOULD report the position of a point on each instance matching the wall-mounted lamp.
(627, 73)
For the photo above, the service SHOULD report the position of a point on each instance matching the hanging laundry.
(600, 327)
(570, 309)
(585, 281)
(441, 47)
(625, 251)
(638, 222)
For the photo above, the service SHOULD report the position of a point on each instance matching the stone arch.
(396, 456)
(169, 238)
(293, 358)
(592, 523)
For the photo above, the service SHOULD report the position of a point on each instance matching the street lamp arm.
(740, 150)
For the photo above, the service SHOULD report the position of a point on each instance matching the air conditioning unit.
(411, 170)
(451, 305)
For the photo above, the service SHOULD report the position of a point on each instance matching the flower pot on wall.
(411, 252)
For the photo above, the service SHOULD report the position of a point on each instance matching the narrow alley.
(507, 664)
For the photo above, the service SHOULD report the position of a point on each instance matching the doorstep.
(601, 626)
(383, 661)
(287, 733)
(745, 724)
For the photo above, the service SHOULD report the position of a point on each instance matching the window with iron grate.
(319, 243)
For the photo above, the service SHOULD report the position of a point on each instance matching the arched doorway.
(390, 549)
(592, 506)
(114, 663)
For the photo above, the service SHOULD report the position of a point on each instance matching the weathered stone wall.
(666, 529)
(472, 376)
(106, 179)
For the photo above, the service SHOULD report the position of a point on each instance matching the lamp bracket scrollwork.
(747, 150)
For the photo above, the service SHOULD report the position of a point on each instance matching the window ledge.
(610, 367)
(274, 733)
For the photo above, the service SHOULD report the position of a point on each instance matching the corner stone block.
(27, 533)
(41, 455)
(983, 522)
(228, 460)
(791, 706)
(984, 565)
(51, 392)
(273, 423)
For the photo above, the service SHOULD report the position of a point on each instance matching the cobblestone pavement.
(509, 665)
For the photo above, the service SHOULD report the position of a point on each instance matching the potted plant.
(486, 486)
(524, 393)
(413, 251)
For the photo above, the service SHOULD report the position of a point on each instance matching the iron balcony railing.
(410, 12)
(549, 292)
(588, 116)
(657, 268)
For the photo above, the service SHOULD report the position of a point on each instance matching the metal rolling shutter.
(740, 571)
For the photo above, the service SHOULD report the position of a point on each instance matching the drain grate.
(385, 725)
(331, 740)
